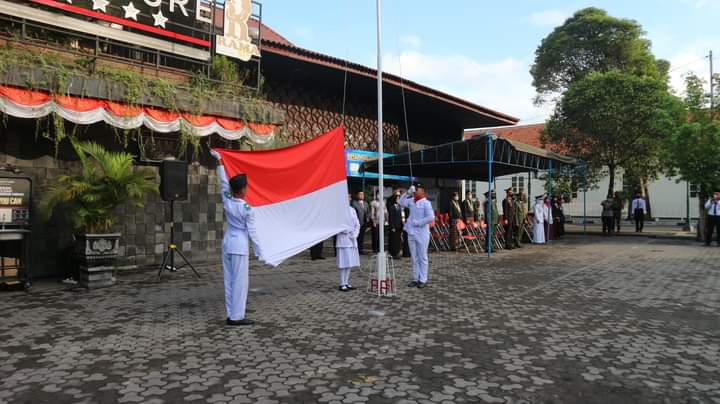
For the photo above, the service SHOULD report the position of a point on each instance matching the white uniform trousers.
(235, 269)
(419, 255)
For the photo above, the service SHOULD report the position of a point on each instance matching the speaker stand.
(168, 262)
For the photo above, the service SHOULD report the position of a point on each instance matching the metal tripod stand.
(168, 262)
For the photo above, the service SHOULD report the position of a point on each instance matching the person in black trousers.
(395, 224)
(406, 246)
(363, 213)
(639, 210)
(712, 207)
(316, 252)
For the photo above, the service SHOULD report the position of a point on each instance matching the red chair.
(465, 237)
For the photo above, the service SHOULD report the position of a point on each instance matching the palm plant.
(91, 198)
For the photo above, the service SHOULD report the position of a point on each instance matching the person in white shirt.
(347, 249)
(417, 227)
(241, 227)
(639, 210)
(712, 207)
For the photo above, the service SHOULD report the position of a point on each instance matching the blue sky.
(481, 50)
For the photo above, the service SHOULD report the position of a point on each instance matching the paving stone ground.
(585, 320)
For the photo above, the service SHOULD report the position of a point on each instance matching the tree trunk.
(701, 216)
(611, 182)
(646, 194)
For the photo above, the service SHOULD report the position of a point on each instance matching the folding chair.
(435, 236)
(528, 231)
(467, 236)
(476, 229)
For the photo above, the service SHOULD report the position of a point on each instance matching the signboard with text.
(354, 158)
(15, 193)
(186, 21)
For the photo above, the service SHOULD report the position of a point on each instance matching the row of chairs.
(472, 236)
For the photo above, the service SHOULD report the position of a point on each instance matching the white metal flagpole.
(381, 262)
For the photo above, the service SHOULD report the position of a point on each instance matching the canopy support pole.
(490, 233)
(549, 197)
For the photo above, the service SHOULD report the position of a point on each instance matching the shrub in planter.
(89, 200)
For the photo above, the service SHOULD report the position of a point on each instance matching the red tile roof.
(528, 134)
(269, 34)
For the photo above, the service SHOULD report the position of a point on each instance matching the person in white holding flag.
(235, 259)
(417, 227)
(347, 249)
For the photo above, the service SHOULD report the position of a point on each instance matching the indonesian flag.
(298, 193)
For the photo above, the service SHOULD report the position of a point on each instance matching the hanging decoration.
(24, 103)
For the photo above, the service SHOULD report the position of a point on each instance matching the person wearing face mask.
(417, 227)
(376, 222)
(455, 215)
(395, 224)
(712, 207)
(468, 208)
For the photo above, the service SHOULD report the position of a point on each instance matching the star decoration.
(100, 5)
(130, 11)
(160, 19)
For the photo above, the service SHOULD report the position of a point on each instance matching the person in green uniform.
(520, 216)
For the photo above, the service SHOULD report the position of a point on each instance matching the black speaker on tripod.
(173, 187)
(173, 180)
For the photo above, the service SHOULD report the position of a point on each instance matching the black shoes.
(412, 284)
(346, 288)
(244, 321)
(350, 287)
(421, 285)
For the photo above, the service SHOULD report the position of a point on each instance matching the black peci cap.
(238, 182)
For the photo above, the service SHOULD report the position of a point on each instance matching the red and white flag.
(298, 193)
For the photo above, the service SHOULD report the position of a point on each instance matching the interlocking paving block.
(580, 320)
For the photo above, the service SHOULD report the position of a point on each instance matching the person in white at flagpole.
(417, 227)
(235, 256)
(347, 249)
(539, 213)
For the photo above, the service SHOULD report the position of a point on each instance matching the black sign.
(15, 196)
(179, 20)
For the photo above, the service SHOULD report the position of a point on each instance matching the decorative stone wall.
(145, 231)
(311, 113)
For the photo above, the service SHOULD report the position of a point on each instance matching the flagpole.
(381, 269)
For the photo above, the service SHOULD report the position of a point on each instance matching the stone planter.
(96, 254)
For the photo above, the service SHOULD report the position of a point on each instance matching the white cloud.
(691, 59)
(548, 18)
(411, 41)
(503, 85)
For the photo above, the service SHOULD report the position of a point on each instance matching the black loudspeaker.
(173, 180)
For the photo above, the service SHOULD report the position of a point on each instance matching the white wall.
(667, 196)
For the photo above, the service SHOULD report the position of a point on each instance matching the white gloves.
(411, 190)
(215, 154)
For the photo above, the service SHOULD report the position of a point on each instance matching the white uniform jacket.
(240, 219)
(421, 215)
(539, 213)
(348, 238)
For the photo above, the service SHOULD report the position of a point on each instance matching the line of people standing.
(612, 208)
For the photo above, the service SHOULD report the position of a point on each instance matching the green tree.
(691, 152)
(591, 41)
(612, 120)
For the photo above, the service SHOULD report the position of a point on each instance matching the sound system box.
(173, 180)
